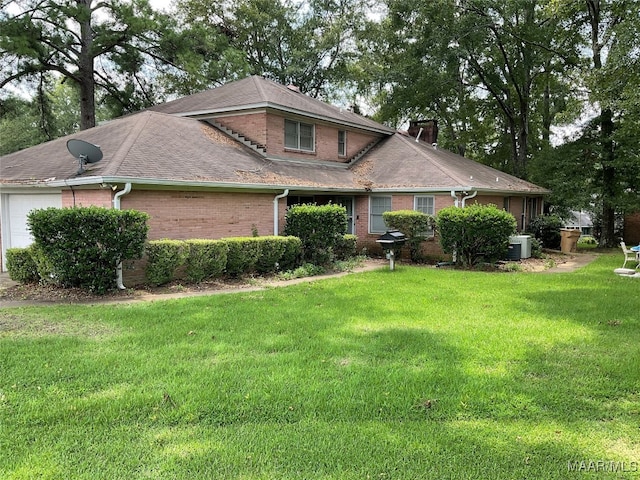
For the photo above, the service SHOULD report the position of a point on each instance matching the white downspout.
(275, 210)
(468, 197)
(116, 206)
(455, 197)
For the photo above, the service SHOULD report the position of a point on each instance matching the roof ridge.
(259, 86)
(121, 154)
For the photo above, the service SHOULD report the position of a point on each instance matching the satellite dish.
(85, 152)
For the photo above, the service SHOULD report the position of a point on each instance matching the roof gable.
(257, 92)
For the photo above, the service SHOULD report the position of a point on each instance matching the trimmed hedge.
(163, 259)
(205, 259)
(243, 255)
(346, 247)
(83, 245)
(319, 227)
(475, 233)
(271, 251)
(21, 265)
(202, 258)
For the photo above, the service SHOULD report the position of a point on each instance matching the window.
(425, 204)
(342, 143)
(299, 136)
(377, 206)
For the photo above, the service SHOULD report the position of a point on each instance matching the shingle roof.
(161, 149)
(156, 148)
(166, 146)
(402, 163)
(258, 92)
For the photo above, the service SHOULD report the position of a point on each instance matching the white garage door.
(15, 208)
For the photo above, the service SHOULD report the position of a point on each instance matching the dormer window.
(342, 143)
(299, 136)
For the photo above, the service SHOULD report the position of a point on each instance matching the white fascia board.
(191, 184)
(217, 112)
(459, 189)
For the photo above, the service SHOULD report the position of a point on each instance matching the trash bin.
(569, 240)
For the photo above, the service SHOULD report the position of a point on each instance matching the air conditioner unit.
(525, 244)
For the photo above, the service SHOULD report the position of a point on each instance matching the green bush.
(587, 242)
(292, 255)
(44, 266)
(303, 271)
(163, 259)
(84, 245)
(319, 227)
(21, 265)
(243, 255)
(536, 248)
(414, 224)
(345, 247)
(546, 228)
(205, 258)
(272, 249)
(475, 233)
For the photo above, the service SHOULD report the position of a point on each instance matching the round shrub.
(21, 265)
(546, 228)
(475, 233)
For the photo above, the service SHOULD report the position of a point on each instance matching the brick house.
(228, 161)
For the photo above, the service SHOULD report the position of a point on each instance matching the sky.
(165, 5)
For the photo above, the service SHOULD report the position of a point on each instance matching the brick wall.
(181, 214)
(268, 129)
(87, 198)
(252, 125)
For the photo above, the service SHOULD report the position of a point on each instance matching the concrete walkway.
(573, 262)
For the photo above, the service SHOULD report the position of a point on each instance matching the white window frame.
(429, 210)
(342, 143)
(298, 144)
(372, 214)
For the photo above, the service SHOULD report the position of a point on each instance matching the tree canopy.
(501, 77)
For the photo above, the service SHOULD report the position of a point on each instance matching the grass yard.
(420, 373)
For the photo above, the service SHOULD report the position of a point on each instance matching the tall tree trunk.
(607, 238)
(547, 118)
(606, 132)
(85, 68)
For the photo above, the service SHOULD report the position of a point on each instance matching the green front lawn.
(419, 373)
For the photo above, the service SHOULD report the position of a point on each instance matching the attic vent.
(293, 87)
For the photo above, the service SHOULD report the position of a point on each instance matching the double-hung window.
(299, 136)
(426, 205)
(342, 143)
(377, 206)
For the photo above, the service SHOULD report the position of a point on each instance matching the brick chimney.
(429, 131)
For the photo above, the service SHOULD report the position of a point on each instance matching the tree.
(108, 45)
(478, 66)
(53, 112)
(308, 44)
(598, 170)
